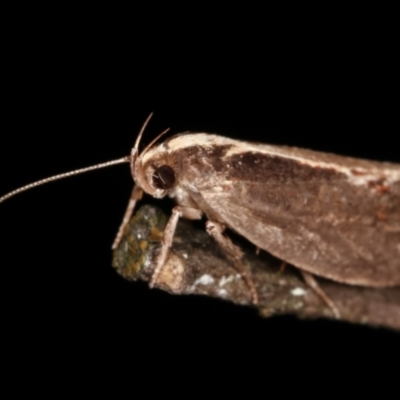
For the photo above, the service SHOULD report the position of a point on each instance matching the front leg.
(169, 232)
(136, 195)
(313, 284)
(234, 253)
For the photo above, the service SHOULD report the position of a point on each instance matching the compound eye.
(164, 177)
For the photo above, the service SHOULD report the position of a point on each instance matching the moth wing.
(294, 227)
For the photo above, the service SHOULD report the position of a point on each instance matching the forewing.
(347, 233)
(334, 216)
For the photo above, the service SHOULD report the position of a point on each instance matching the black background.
(76, 91)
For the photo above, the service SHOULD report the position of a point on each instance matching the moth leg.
(282, 268)
(166, 243)
(136, 195)
(313, 284)
(216, 229)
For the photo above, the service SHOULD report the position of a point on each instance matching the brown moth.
(332, 216)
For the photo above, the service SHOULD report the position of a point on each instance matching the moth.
(328, 215)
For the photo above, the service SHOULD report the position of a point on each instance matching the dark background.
(76, 92)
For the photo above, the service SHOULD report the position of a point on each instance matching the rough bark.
(196, 265)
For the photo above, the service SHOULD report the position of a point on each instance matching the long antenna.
(139, 137)
(146, 149)
(64, 175)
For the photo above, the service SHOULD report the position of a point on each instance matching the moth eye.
(164, 177)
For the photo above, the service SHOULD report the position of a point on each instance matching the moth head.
(152, 169)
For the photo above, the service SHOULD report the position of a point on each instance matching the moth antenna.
(135, 163)
(137, 170)
(135, 148)
(153, 141)
(130, 159)
(64, 175)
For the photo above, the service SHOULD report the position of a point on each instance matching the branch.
(196, 265)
